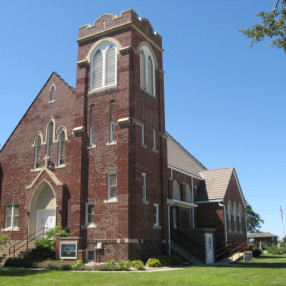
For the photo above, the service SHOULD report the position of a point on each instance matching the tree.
(254, 220)
(273, 26)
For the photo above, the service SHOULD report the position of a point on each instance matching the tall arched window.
(37, 152)
(188, 194)
(50, 137)
(240, 217)
(176, 196)
(103, 66)
(61, 155)
(229, 212)
(235, 217)
(147, 71)
(176, 191)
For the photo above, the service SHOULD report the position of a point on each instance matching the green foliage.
(77, 265)
(153, 262)
(46, 246)
(273, 249)
(124, 264)
(170, 260)
(22, 262)
(254, 220)
(110, 262)
(272, 26)
(138, 264)
(256, 252)
(53, 265)
(3, 239)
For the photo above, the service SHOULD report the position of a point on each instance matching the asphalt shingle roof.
(215, 184)
(180, 158)
(261, 235)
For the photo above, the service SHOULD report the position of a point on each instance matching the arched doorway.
(42, 208)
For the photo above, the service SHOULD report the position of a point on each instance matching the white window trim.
(11, 227)
(109, 198)
(157, 217)
(146, 53)
(87, 251)
(104, 48)
(87, 223)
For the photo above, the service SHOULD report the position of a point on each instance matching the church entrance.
(43, 209)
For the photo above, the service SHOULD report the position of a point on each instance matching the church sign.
(68, 250)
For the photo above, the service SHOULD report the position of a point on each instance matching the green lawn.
(266, 270)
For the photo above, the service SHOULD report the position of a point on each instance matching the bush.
(110, 262)
(77, 265)
(273, 249)
(169, 260)
(124, 264)
(54, 265)
(138, 264)
(153, 262)
(19, 262)
(3, 239)
(46, 246)
(256, 252)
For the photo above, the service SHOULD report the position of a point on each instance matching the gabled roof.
(180, 158)
(215, 184)
(261, 235)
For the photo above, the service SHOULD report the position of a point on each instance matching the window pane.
(113, 192)
(110, 66)
(113, 180)
(97, 69)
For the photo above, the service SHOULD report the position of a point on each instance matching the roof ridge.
(210, 170)
(185, 150)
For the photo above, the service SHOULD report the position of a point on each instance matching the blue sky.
(224, 101)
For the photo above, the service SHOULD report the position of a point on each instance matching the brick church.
(96, 159)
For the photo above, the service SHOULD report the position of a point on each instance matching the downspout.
(169, 230)
(225, 221)
(193, 210)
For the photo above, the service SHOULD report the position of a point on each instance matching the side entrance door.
(46, 219)
(209, 248)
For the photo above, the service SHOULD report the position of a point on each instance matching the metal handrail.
(43, 229)
(231, 248)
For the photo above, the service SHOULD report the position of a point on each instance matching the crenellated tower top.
(110, 22)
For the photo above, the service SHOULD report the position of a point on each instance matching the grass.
(266, 270)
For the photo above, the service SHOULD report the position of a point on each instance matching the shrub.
(3, 239)
(124, 264)
(19, 262)
(153, 262)
(169, 260)
(256, 252)
(110, 262)
(273, 249)
(46, 246)
(54, 265)
(77, 265)
(138, 264)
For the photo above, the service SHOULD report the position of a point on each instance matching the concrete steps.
(21, 249)
(186, 255)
